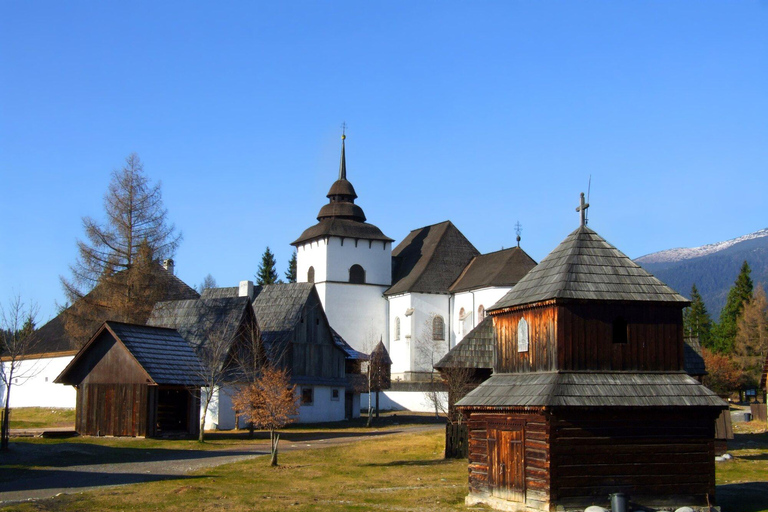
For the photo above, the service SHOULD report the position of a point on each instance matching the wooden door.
(507, 463)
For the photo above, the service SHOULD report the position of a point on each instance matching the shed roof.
(221, 292)
(585, 266)
(200, 320)
(500, 268)
(53, 337)
(430, 259)
(278, 306)
(591, 389)
(474, 351)
(165, 356)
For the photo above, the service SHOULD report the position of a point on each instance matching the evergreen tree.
(696, 320)
(267, 273)
(740, 293)
(290, 274)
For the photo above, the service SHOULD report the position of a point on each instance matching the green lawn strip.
(742, 482)
(41, 417)
(404, 472)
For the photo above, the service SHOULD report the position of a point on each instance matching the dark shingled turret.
(341, 216)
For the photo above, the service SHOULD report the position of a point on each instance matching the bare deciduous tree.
(17, 323)
(120, 255)
(269, 403)
(208, 282)
(430, 348)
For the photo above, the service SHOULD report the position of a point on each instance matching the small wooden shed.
(588, 395)
(135, 380)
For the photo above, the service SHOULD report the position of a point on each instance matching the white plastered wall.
(35, 386)
(400, 349)
(323, 408)
(471, 301)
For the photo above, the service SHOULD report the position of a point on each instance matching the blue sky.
(484, 113)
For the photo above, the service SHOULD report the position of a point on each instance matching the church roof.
(430, 259)
(52, 337)
(500, 268)
(585, 266)
(591, 389)
(341, 216)
(475, 350)
(200, 320)
(278, 309)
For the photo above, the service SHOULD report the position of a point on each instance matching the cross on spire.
(343, 163)
(583, 209)
(518, 231)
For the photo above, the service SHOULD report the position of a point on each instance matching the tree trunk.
(201, 436)
(274, 438)
(5, 429)
(377, 403)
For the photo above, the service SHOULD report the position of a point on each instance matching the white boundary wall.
(35, 386)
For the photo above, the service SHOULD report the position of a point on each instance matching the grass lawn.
(398, 473)
(405, 473)
(41, 417)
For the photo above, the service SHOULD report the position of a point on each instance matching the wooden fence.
(759, 412)
(456, 441)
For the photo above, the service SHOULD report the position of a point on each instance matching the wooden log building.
(135, 380)
(588, 395)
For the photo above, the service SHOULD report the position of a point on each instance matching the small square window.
(335, 394)
(307, 396)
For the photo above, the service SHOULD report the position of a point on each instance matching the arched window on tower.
(397, 327)
(480, 313)
(311, 275)
(438, 328)
(356, 274)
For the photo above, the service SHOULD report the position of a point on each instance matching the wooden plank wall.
(536, 436)
(111, 409)
(313, 352)
(654, 453)
(542, 350)
(585, 337)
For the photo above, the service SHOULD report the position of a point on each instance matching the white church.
(431, 289)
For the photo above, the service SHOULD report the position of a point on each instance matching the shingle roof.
(693, 362)
(591, 389)
(585, 266)
(278, 306)
(474, 351)
(500, 268)
(163, 353)
(220, 293)
(430, 259)
(200, 320)
(331, 226)
(380, 353)
(52, 337)
(349, 352)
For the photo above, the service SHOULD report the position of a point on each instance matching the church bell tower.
(350, 262)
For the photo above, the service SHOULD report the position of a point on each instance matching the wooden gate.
(507, 468)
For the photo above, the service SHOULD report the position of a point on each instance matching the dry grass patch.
(397, 473)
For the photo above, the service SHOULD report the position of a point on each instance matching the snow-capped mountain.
(713, 267)
(687, 253)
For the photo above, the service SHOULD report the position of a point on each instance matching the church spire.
(343, 163)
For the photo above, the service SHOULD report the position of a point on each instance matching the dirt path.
(62, 471)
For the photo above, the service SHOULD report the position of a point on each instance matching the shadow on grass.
(749, 440)
(422, 463)
(745, 497)
(49, 479)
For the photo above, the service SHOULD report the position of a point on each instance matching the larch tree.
(290, 274)
(751, 341)
(268, 403)
(725, 332)
(17, 323)
(696, 319)
(267, 273)
(116, 275)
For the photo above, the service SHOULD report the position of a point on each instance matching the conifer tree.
(267, 273)
(290, 274)
(696, 319)
(740, 293)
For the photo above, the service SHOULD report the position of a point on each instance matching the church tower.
(350, 262)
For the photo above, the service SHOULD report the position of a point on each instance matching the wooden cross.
(583, 209)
